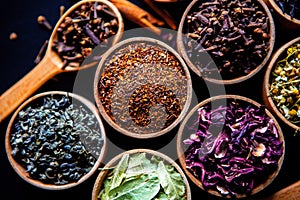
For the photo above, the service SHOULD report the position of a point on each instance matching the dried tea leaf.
(143, 178)
(161, 196)
(103, 195)
(156, 159)
(138, 165)
(145, 187)
(171, 181)
(119, 172)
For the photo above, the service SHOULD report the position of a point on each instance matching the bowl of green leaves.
(141, 174)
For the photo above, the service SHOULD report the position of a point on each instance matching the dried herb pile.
(285, 84)
(290, 7)
(143, 87)
(235, 34)
(138, 177)
(55, 140)
(82, 30)
(233, 149)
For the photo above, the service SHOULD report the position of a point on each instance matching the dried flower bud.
(13, 36)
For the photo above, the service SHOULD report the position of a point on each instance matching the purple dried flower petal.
(236, 147)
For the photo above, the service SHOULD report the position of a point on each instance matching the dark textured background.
(17, 59)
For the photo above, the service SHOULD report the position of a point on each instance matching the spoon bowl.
(50, 65)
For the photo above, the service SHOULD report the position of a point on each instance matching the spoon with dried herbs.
(84, 26)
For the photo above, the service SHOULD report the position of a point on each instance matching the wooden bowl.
(139, 81)
(186, 130)
(284, 19)
(37, 100)
(279, 54)
(108, 168)
(183, 52)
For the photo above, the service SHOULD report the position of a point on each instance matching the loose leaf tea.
(232, 149)
(143, 87)
(82, 30)
(235, 34)
(143, 178)
(171, 181)
(143, 187)
(56, 140)
(290, 7)
(285, 84)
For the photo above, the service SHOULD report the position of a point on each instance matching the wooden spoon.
(50, 65)
(290, 192)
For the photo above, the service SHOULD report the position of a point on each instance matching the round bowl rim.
(21, 171)
(285, 15)
(266, 97)
(115, 38)
(97, 77)
(182, 50)
(181, 156)
(103, 173)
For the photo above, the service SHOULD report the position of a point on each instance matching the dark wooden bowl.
(279, 54)
(107, 168)
(102, 66)
(182, 50)
(20, 169)
(182, 135)
(284, 19)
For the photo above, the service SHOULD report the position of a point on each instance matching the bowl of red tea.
(226, 42)
(230, 146)
(142, 87)
(55, 140)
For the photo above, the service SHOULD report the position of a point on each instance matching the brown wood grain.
(291, 192)
(25, 87)
(138, 15)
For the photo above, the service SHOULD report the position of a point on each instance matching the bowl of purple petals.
(230, 146)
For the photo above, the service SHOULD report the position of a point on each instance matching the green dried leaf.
(156, 159)
(138, 165)
(103, 195)
(161, 196)
(145, 187)
(171, 181)
(119, 172)
(143, 178)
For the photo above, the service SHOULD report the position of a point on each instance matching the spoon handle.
(26, 86)
(290, 192)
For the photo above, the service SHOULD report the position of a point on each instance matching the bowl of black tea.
(142, 87)
(55, 140)
(226, 42)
